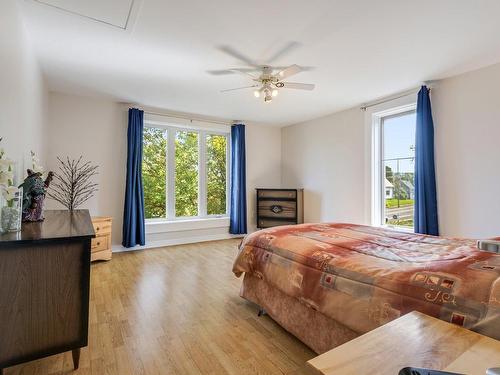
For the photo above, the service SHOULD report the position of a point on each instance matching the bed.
(329, 283)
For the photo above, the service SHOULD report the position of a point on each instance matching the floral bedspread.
(364, 276)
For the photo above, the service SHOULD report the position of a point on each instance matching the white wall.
(263, 164)
(97, 129)
(23, 95)
(326, 157)
(466, 112)
(330, 158)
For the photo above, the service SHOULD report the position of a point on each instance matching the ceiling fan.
(267, 79)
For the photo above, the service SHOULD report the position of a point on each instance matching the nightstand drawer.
(268, 223)
(291, 194)
(100, 243)
(277, 208)
(102, 227)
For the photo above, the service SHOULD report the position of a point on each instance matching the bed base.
(314, 329)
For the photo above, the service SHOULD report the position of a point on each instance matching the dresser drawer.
(100, 243)
(102, 227)
(291, 194)
(277, 208)
(268, 223)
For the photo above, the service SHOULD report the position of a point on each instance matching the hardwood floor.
(176, 310)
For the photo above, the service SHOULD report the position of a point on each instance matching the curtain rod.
(191, 119)
(382, 101)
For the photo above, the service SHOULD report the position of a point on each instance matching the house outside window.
(393, 168)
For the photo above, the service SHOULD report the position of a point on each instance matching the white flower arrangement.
(35, 164)
(10, 215)
(10, 193)
(6, 175)
(6, 170)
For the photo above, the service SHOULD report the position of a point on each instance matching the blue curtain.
(238, 209)
(133, 215)
(426, 214)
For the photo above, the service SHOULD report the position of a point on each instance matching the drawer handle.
(276, 208)
(97, 229)
(98, 243)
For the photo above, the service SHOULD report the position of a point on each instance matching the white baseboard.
(176, 241)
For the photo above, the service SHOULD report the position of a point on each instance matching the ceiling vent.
(116, 13)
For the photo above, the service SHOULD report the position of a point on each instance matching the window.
(185, 173)
(397, 141)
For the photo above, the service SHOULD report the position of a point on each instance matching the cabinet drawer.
(100, 243)
(277, 208)
(268, 223)
(102, 227)
(101, 255)
(277, 194)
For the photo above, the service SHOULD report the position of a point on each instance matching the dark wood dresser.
(279, 207)
(44, 288)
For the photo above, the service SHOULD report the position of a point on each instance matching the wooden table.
(415, 340)
(44, 288)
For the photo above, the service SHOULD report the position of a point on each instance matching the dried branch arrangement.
(73, 185)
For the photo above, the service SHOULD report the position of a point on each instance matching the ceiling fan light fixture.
(269, 81)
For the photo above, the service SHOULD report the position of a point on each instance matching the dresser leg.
(76, 358)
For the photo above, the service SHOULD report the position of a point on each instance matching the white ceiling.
(362, 50)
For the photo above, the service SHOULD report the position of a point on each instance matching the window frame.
(171, 129)
(378, 170)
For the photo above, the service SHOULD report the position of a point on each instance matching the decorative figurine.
(34, 188)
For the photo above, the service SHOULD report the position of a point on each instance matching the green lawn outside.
(393, 203)
(401, 223)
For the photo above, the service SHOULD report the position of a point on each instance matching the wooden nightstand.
(279, 207)
(101, 244)
(415, 340)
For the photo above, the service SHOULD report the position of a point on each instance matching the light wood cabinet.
(414, 339)
(101, 244)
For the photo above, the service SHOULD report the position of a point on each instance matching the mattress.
(364, 277)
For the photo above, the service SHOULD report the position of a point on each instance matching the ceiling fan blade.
(298, 86)
(240, 88)
(289, 47)
(288, 72)
(223, 72)
(303, 68)
(237, 55)
(243, 72)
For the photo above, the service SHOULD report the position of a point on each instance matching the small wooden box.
(279, 207)
(101, 244)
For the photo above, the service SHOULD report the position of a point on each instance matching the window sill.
(399, 229)
(162, 226)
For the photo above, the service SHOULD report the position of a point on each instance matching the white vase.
(3, 203)
(11, 212)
